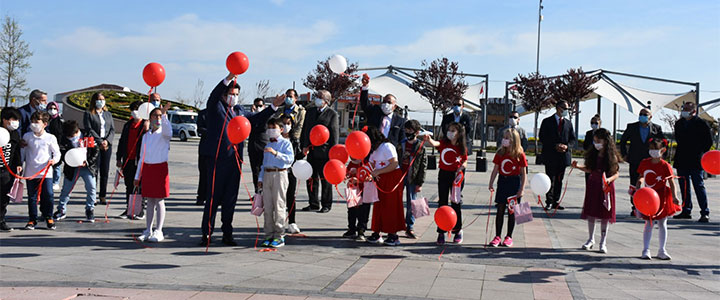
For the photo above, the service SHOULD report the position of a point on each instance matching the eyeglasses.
(515, 117)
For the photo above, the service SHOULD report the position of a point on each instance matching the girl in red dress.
(601, 161)
(657, 174)
(510, 163)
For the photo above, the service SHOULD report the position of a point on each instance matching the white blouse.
(381, 157)
(156, 145)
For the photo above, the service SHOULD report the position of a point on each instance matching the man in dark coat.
(38, 101)
(557, 137)
(458, 115)
(382, 116)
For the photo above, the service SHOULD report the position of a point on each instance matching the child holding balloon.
(357, 215)
(657, 174)
(510, 163)
(72, 138)
(601, 161)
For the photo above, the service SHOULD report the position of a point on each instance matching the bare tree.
(262, 88)
(535, 96)
(322, 78)
(571, 87)
(670, 120)
(199, 94)
(14, 55)
(440, 83)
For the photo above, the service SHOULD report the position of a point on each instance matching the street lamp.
(540, 17)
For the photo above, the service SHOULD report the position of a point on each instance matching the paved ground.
(102, 260)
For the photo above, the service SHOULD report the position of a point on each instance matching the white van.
(184, 124)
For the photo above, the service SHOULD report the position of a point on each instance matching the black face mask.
(410, 135)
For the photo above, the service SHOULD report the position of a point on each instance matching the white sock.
(604, 226)
(662, 234)
(160, 206)
(647, 235)
(150, 209)
(591, 229)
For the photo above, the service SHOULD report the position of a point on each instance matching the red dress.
(388, 215)
(155, 181)
(656, 177)
(594, 206)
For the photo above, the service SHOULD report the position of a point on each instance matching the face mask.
(451, 135)
(289, 101)
(505, 142)
(512, 122)
(135, 115)
(456, 109)
(42, 106)
(156, 123)
(36, 128)
(287, 128)
(387, 108)
(99, 104)
(655, 153)
(53, 112)
(643, 119)
(14, 125)
(272, 133)
(598, 146)
(319, 102)
(410, 135)
(564, 114)
(232, 100)
(595, 126)
(75, 139)
(685, 114)
(155, 103)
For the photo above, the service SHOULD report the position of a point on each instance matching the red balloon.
(711, 162)
(154, 74)
(357, 144)
(445, 218)
(647, 201)
(338, 152)
(334, 171)
(237, 63)
(238, 129)
(319, 135)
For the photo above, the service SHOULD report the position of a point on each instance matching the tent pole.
(599, 103)
(577, 121)
(615, 122)
(484, 113)
(697, 94)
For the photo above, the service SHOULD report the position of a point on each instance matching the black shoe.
(200, 201)
(90, 215)
(558, 207)
(704, 219)
(4, 227)
(229, 241)
(204, 241)
(350, 234)
(123, 215)
(547, 206)
(410, 234)
(324, 210)
(683, 216)
(102, 201)
(309, 208)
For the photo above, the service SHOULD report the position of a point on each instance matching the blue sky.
(83, 43)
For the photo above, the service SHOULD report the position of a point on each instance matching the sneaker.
(410, 234)
(141, 216)
(90, 215)
(144, 236)
(392, 240)
(30, 225)
(507, 242)
(204, 241)
(375, 238)
(59, 215)
(228, 240)
(51, 224)
(293, 228)
(458, 237)
(704, 219)
(646, 254)
(157, 236)
(56, 187)
(663, 255)
(102, 201)
(683, 216)
(123, 215)
(603, 249)
(5, 227)
(588, 245)
(350, 234)
(496, 241)
(441, 239)
(360, 237)
(277, 243)
(266, 243)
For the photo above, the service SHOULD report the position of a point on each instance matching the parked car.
(184, 124)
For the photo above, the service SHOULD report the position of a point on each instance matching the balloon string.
(567, 181)
(406, 172)
(7, 167)
(39, 192)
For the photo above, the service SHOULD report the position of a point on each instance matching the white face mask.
(36, 128)
(387, 108)
(655, 153)
(319, 102)
(287, 128)
(512, 122)
(451, 135)
(505, 142)
(598, 146)
(53, 112)
(14, 125)
(233, 100)
(564, 114)
(595, 126)
(272, 133)
(99, 104)
(135, 115)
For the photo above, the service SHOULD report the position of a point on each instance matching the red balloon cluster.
(339, 152)
(237, 63)
(711, 162)
(154, 74)
(647, 201)
(334, 171)
(357, 144)
(445, 218)
(319, 135)
(238, 129)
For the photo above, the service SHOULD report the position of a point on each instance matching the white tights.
(662, 234)
(604, 226)
(155, 205)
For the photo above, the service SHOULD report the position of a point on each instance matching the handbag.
(370, 192)
(257, 205)
(135, 204)
(352, 196)
(523, 213)
(16, 192)
(456, 190)
(420, 207)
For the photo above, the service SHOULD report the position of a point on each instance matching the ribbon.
(406, 172)
(567, 181)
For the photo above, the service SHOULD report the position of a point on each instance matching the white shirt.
(381, 157)
(37, 153)
(385, 125)
(102, 124)
(156, 145)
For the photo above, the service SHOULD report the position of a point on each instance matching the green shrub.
(116, 103)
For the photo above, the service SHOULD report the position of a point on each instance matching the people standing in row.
(317, 156)
(514, 123)
(98, 122)
(382, 116)
(128, 153)
(557, 137)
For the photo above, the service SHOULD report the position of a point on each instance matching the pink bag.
(456, 190)
(420, 207)
(523, 213)
(134, 204)
(352, 196)
(118, 174)
(257, 205)
(16, 192)
(370, 192)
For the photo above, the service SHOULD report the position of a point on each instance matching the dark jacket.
(258, 122)
(638, 148)
(327, 117)
(55, 127)
(12, 155)
(217, 115)
(588, 141)
(693, 140)
(549, 136)
(416, 175)
(92, 156)
(465, 121)
(91, 122)
(521, 132)
(121, 152)
(201, 125)
(26, 112)
(374, 116)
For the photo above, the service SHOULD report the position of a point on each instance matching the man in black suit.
(38, 101)
(638, 134)
(459, 116)
(382, 116)
(317, 156)
(557, 137)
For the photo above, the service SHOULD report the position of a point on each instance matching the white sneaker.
(646, 254)
(603, 248)
(588, 245)
(56, 187)
(293, 228)
(157, 236)
(663, 255)
(144, 236)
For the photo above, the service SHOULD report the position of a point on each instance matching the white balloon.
(4, 136)
(302, 170)
(338, 64)
(144, 110)
(75, 157)
(540, 184)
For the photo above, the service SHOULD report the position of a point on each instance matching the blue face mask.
(643, 119)
(155, 103)
(289, 101)
(42, 107)
(456, 109)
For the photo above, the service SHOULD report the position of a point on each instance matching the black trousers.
(556, 172)
(129, 172)
(6, 183)
(104, 169)
(256, 159)
(313, 186)
(445, 182)
(226, 182)
(358, 217)
(290, 197)
(202, 191)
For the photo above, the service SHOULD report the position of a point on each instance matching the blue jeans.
(69, 183)
(696, 175)
(411, 195)
(57, 171)
(46, 199)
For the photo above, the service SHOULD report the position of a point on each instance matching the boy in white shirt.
(41, 152)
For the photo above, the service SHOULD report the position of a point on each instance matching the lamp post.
(537, 59)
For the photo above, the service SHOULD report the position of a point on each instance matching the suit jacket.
(217, 115)
(258, 122)
(374, 116)
(693, 140)
(91, 123)
(638, 148)
(327, 117)
(588, 141)
(25, 112)
(465, 121)
(521, 132)
(549, 136)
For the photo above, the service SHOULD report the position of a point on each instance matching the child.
(41, 152)
(287, 127)
(358, 215)
(602, 164)
(278, 156)
(453, 161)
(388, 211)
(410, 149)
(510, 163)
(153, 172)
(55, 127)
(657, 174)
(72, 138)
(128, 154)
(11, 121)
